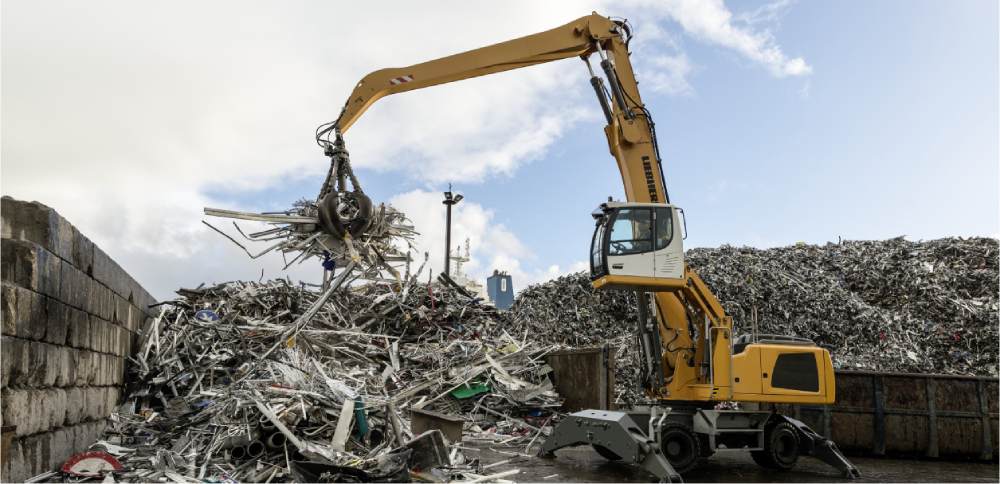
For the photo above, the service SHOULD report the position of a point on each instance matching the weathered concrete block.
(54, 403)
(60, 358)
(57, 321)
(75, 405)
(82, 368)
(77, 327)
(35, 222)
(30, 266)
(14, 355)
(98, 333)
(25, 459)
(33, 373)
(120, 337)
(99, 402)
(23, 312)
(72, 360)
(107, 369)
(125, 342)
(109, 273)
(83, 253)
(93, 364)
(99, 300)
(123, 311)
(34, 410)
(12, 469)
(50, 363)
(118, 364)
(73, 286)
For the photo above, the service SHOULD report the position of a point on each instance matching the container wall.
(70, 319)
(909, 415)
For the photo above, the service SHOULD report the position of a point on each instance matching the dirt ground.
(581, 464)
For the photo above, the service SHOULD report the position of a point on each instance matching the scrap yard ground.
(582, 464)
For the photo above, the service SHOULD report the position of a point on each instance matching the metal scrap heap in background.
(230, 384)
(891, 305)
(568, 310)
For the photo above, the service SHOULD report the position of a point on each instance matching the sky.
(779, 122)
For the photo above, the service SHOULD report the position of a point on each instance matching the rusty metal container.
(423, 420)
(909, 415)
(584, 377)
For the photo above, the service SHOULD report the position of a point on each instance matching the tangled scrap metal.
(891, 305)
(223, 388)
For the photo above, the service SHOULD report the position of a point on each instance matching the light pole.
(449, 200)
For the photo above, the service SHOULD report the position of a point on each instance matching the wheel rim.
(673, 449)
(679, 449)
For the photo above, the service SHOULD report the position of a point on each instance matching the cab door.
(668, 254)
(630, 243)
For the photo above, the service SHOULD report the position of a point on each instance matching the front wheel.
(680, 446)
(781, 447)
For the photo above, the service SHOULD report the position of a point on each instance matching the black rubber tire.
(328, 216)
(681, 446)
(363, 219)
(606, 453)
(781, 447)
(336, 226)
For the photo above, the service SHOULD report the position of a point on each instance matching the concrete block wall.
(70, 317)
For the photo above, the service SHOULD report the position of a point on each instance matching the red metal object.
(91, 464)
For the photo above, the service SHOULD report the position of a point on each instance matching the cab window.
(631, 232)
(596, 263)
(664, 227)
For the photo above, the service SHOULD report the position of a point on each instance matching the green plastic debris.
(467, 390)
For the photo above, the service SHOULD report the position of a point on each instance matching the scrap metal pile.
(568, 311)
(890, 305)
(298, 231)
(233, 383)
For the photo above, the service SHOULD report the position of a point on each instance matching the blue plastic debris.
(206, 315)
(328, 263)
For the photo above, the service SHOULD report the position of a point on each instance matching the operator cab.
(637, 246)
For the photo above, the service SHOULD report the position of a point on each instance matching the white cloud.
(710, 21)
(767, 14)
(669, 73)
(130, 127)
(130, 117)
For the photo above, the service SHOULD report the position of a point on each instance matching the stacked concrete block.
(70, 318)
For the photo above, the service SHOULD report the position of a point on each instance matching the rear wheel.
(680, 446)
(781, 447)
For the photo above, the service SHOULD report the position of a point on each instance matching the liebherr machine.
(692, 361)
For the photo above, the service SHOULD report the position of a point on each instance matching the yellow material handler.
(692, 361)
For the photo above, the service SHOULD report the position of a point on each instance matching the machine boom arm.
(632, 142)
(571, 40)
